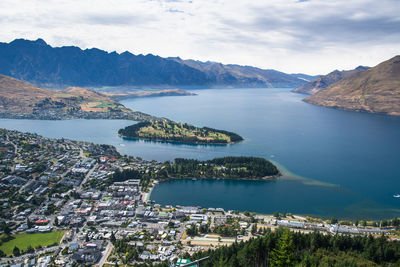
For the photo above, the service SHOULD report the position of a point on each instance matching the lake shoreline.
(265, 178)
(178, 142)
(346, 161)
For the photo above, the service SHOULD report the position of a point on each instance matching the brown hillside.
(376, 90)
(324, 81)
(86, 93)
(21, 97)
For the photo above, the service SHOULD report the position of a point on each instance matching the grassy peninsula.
(244, 168)
(166, 130)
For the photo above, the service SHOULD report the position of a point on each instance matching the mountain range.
(46, 66)
(375, 90)
(324, 81)
(237, 75)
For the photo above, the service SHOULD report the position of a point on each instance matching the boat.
(397, 196)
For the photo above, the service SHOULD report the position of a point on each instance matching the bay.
(337, 163)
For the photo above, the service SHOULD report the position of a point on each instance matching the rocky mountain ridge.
(50, 67)
(324, 81)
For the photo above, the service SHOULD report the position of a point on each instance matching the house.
(145, 255)
(190, 210)
(42, 222)
(76, 222)
(86, 256)
(20, 168)
(44, 229)
(73, 246)
(94, 244)
(292, 224)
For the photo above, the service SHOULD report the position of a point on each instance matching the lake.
(336, 163)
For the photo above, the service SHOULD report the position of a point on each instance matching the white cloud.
(313, 36)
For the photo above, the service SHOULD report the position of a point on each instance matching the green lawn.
(22, 241)
(105, 104)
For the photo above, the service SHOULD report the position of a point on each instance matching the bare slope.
(376, 90)
(21, 97)
(324, 81)
(237, 75)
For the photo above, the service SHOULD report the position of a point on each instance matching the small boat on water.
(397, 196)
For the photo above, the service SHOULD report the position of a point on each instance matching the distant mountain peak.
(324, 81)
(40, 41)
(362, 68)
(41, 64)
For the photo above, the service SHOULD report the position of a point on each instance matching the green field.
(105, 104)
(22, 241)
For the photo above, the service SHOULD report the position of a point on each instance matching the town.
(56, 114)
(71, 203)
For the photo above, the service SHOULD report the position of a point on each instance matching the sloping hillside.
(324, 81)
(21, 97)
(376, 90)
(237, 75)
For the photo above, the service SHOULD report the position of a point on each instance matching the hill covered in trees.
(283, 248)
(169, 131)
(225, 168)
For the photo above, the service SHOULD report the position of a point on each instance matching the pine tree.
(16, 251)
(29, 223)
(112, 238)
(282, 255)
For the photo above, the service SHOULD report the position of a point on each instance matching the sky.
(293, 36)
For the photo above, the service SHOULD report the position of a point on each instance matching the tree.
(16, 251)
(254, 229)
(112, 238)
(334, 220)
(65, 251)
(87, 238)
(30, 249)
(192, 231)
(29, 223)
(283, 255)
(56, 221)
(5, 228)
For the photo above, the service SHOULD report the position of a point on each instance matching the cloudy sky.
(308, 36)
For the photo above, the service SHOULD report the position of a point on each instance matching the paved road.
(15, 146)
(87, 177)
(106, 254)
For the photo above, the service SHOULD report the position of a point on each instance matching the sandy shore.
(146, 196)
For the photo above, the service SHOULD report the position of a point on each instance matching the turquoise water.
(346, 163)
